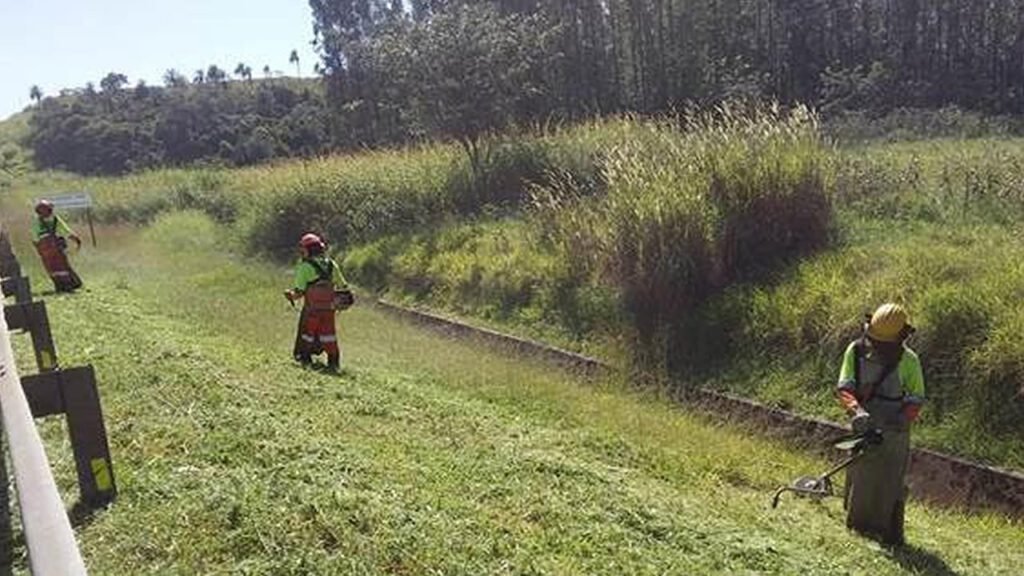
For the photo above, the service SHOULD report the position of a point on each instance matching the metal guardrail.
(52, 548)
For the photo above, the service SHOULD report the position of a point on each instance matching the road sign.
(74, 200)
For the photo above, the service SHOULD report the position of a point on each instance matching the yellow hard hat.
(889, 323)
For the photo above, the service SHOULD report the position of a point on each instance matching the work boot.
(333, 364)
(304, 358)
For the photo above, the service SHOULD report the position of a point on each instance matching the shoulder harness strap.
(869, 389)
(322, 273)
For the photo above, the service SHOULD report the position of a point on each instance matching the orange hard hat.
(311, 242)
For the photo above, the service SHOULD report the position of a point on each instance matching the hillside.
(120, 129)
(14, 128)
(14, 157)
(426, 455)
(539, 241)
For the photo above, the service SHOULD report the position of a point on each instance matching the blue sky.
(66, 43)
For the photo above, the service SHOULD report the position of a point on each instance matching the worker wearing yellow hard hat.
(881, 386)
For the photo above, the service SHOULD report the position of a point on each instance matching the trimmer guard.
(816, 487)
(821, 486)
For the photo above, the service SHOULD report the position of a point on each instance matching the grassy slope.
(933, 223)
(964, 282)
(426, 456)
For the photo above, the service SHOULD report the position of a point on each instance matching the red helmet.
(44, 207)
(311, 242)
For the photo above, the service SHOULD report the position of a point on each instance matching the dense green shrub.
(118, 130)
(850, 127)
(690, 210)
(962, 286)
(938, 180)
(659, 214)
(507, 170)
(351, 199)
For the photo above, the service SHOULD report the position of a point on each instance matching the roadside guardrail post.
(31, 317)
(48, 535)
(73, 393)
(9, 266)
(44, 521)
(19, 287)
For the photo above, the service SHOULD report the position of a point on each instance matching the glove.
(911, 411)
(861, 421)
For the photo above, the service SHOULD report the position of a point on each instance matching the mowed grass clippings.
(425, 456)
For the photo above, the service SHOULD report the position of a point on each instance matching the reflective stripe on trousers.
(318, 325)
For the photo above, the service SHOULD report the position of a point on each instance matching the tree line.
(207, 118)
(575, 58)
(395, 71)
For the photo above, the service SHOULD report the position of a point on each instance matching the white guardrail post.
(52, 549)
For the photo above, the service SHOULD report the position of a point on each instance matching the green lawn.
(426, 456)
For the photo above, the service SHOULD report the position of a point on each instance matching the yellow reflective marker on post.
(101, 473)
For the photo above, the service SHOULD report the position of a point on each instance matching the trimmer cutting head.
(818, 487)
(815, 487)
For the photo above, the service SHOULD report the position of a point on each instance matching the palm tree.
(174, 79)
(215, 75)
(294, 59)
(200, 77)
(113, 82)
(266, 70)
(35, 93)
(244, 72)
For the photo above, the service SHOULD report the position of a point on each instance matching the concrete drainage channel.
(933, 476)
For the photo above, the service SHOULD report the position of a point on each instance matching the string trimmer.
(818, 487)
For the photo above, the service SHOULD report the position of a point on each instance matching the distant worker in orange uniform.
(881, 385)
(323, 289)
(49, 235)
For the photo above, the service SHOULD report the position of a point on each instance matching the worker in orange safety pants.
(317, 279)
(49, 236)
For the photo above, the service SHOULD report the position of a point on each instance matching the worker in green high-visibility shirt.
(49, 235)
(323, 290)
(881, 386)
